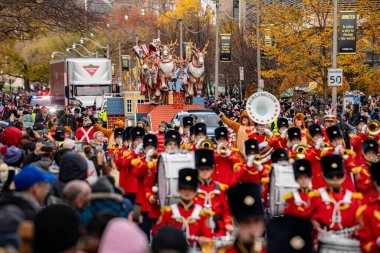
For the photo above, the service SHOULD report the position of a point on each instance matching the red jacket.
(369, 230)
(299, 207)
(225, 168)
(314, 157)
(139, 170)
(161, 142)
(197, 226)
(127, 181)
(365, 184)
(356, 143)
(219, 206)
(80, 134)
(324, 209)
(277, 142)
(150, 181)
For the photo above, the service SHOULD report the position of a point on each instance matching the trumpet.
(325, 146)
(346, 153)
(301, 151)
(207, 144)
(257, 159)
(373, 128)
(223, 148)
(155, 155)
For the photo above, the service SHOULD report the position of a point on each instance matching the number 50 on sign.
(335, 77)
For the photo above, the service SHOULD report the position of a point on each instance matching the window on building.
(140, 101)
(129, 105)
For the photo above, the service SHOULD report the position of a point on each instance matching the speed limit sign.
(335, 77)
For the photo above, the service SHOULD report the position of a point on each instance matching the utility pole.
(137, 65)
(216, 85)
(158, 33)
(335, 50)
(260, 83)
(119, 81)
(181, 38)
(108, 50)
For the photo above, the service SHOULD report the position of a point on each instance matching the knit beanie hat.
(57, 228)
(12, 156)
(11, 136)
(72, 166)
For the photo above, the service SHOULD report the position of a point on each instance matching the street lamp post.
(260, 83)
(73, 49)
(180, 38)
(216, 94)
(88, 51)
(97, 44)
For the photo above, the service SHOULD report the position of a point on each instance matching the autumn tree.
(302, 41)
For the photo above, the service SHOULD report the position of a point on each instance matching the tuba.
(373, 128)
(207, 144)
(263, 107)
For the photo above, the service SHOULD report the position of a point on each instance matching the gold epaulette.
(236, 165)
(265, 180)
(357, 195)
(235, 149)
(313, 194)
(352, 136)
(360, 210)
(356, 170)
(223, 187)
(288, 196)
(135, 161)
(166, 209)
(125, 153)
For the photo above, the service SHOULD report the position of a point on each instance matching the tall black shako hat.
(188, 178)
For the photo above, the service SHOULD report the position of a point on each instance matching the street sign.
(241, 70)
(335, 77)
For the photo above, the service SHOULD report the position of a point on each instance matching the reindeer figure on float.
(196, 70)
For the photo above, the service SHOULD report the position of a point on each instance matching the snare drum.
(337, 244)
(167, 175)
(282, 181)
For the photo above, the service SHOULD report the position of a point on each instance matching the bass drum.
(167, 175)
(337, 244)
(281, 182)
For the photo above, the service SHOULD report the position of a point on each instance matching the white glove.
(250, 164)
(283, 133)
(295, 147)
(318, 143)
(338, 149)
(263, 144)
(139, 148)
(199, 143)
(364, 129)
(149, 155)
(378, 241)
(268, 132)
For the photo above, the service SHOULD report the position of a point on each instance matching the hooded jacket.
(239, 129)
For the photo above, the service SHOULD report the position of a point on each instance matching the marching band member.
(140, 169)
(226, 160)
(200, 131)
(241, 128)
(125, 149)
(294, 140)
(280, 155)
(299, 122)
(161, 136)
(211, 194)
(298, 202)
(278, 141)
(350, 165)
(187, 123)
(262, 134)
(356, 141)
(248, 212)
(329, 120)
(253, 170)
(127, 181)
(369, 217)
(363, 179)
(314, 154)
(186, 214)
(172, 141)
(335, 206)
(289, 235)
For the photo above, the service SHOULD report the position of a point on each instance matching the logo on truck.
(91, 69)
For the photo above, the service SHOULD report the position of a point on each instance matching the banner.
(125, 60)
(347, 36)
(225, 47)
